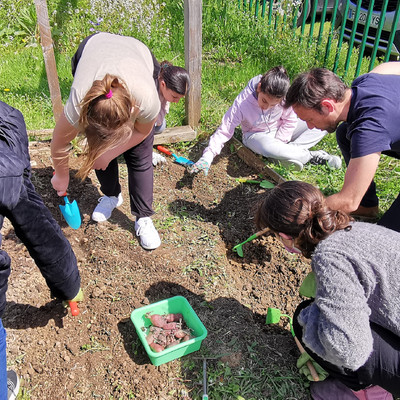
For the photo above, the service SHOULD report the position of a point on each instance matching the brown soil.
(97, 354)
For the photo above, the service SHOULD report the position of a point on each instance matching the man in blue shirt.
(369, 118)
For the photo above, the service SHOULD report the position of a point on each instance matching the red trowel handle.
(74, 308)
(164, 150)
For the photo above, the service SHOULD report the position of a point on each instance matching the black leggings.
(382, 367)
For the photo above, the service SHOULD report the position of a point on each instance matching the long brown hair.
(299, 210)
(104, 119)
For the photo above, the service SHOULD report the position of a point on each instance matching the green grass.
(236, 47)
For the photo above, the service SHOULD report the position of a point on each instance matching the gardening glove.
(78, 298)
(303, 368)
(158, 159)
(201, 165)
(309, 286)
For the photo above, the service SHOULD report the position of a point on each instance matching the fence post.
(193, 55)
(49, 59)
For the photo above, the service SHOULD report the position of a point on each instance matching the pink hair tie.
(109, 94)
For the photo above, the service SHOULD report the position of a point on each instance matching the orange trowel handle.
(74, 308)
(164, 150)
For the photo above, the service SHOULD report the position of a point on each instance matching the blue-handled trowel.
(70, 212)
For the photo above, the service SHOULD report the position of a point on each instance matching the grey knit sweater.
(358, 280)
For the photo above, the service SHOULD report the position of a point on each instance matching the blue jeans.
(3, 363)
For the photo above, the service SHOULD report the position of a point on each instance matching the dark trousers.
(391, 218)
(382, 367)
(33, 223)
(140, 176)
(39, 232)
(138, 161)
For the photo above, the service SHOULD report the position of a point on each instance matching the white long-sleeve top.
(246, 112)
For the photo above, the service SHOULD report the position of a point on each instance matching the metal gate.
(367, 30)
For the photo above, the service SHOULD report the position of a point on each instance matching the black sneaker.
(320, 157)
(12, 385)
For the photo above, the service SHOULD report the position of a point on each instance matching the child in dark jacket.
(33, 224)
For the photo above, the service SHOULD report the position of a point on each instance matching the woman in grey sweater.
(352, 326)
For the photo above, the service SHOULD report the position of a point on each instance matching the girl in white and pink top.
(267, 127)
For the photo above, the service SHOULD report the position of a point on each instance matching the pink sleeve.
(287, 125)
(231, 119)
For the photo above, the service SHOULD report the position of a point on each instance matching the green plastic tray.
(177, 304)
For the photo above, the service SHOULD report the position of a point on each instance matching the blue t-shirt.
(373, 121)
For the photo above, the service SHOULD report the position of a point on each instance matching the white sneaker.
(105, 207)
(12, 385)
(320, 157)
(149, 238)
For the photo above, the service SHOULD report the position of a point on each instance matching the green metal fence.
(348, 33)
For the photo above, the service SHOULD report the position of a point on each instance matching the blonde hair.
(104, 119)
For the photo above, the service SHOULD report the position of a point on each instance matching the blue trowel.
(70, 212)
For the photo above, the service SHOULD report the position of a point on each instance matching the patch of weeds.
(181, 216)
(204, 238)
(114, 298)
(93, 346)
(166, 223)
(136, 345)
(23, 394)
(207, 266)
(274, 383)
(20, 358)
(189, 364)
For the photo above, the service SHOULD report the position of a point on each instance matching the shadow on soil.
(38, 317)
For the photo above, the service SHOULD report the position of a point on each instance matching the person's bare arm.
(389, 68)
(139, 133)
(359, 175)
(63, 134)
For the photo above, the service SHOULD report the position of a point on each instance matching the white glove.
(158, 159)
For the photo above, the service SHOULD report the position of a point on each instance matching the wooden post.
(193, 54)
(48, 55)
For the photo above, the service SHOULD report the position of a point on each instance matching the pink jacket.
(246, 112)
(164, 110)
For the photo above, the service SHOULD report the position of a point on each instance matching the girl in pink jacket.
(267, 127)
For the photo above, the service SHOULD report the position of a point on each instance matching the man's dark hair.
(310, 88)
